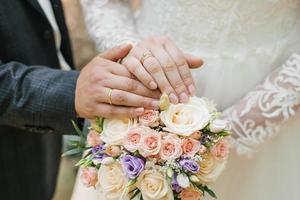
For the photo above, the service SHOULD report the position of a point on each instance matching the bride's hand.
(158, 62)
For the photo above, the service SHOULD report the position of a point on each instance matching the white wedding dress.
(252, 71)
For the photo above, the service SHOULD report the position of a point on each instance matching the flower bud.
(194, 179)
(107, 161)
(164, 102)
(183, 180)
(170, 172)
(218, 125)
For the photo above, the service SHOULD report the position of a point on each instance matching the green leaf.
(210, 192)
(131, 182)
(78, 131)
(135, 193)
(73, 152)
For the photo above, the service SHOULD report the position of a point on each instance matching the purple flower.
(97, 152)
(175, 186)
(132, 166)
(189, 165)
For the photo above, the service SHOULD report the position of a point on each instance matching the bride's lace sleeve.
(109, 22)
(259, 115)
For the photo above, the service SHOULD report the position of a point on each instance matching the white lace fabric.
(259, 115)
(109, 22)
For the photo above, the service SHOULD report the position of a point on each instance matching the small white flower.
(183, 180)
(218, 125)
(170, 172)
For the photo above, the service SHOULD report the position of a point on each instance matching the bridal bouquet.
(174, 153)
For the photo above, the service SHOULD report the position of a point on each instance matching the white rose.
(183, 180)
(218, 125)
(154, 186)
(114, 130)
(210, 168)
(185, 119)
(113, 182)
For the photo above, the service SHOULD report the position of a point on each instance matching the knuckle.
(154, 68)
(181, 62)
(119, 98)
(179, 86)
(132, 85)
(187, 79)
(109, 112)
(170, 67)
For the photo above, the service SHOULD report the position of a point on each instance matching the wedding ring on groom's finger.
(109, 92)
(145, 56)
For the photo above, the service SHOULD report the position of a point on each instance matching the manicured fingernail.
(155, 105)
(184, 97)
(139, 111)
(173, 98)
(152, 85)
(192, 90)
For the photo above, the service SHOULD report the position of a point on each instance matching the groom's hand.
(106, 89)
(158, 62)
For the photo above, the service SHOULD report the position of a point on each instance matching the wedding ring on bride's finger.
(145, 56)
(109, 92)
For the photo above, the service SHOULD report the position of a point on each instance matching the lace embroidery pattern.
(259, 115)
(109, 22)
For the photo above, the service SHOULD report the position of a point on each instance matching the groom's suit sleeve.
(37, 98)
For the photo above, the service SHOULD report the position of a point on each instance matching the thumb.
(116, 53)
(193, 61)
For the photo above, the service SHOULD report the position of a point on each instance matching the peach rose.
(133, 138)
(113, 150)
(149, 118)
(190, 146)
(170, 147)
(89, 176)
(196, 135)
(211, 168)
(220, 150)
(150, 143)
(93, 138)
(190, 194)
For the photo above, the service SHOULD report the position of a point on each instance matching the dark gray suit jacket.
(36, 100)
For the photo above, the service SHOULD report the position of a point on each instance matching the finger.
(154, 68)
(123, 98)
(117, 52)
(182, 66)
(171, 71)
(193, 62)
(111, 111)
(137, 69)
(130, 85)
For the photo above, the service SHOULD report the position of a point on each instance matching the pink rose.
(190, 194)
(196, 135)
(150, 143)
(133, 138)
(89, 176)
(113, 150)
(93, 138)
(190, 146)
(170, 147)
(150, 118)
(220, 150)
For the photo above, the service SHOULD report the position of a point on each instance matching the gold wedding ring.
(145, 56)
(109, 96)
